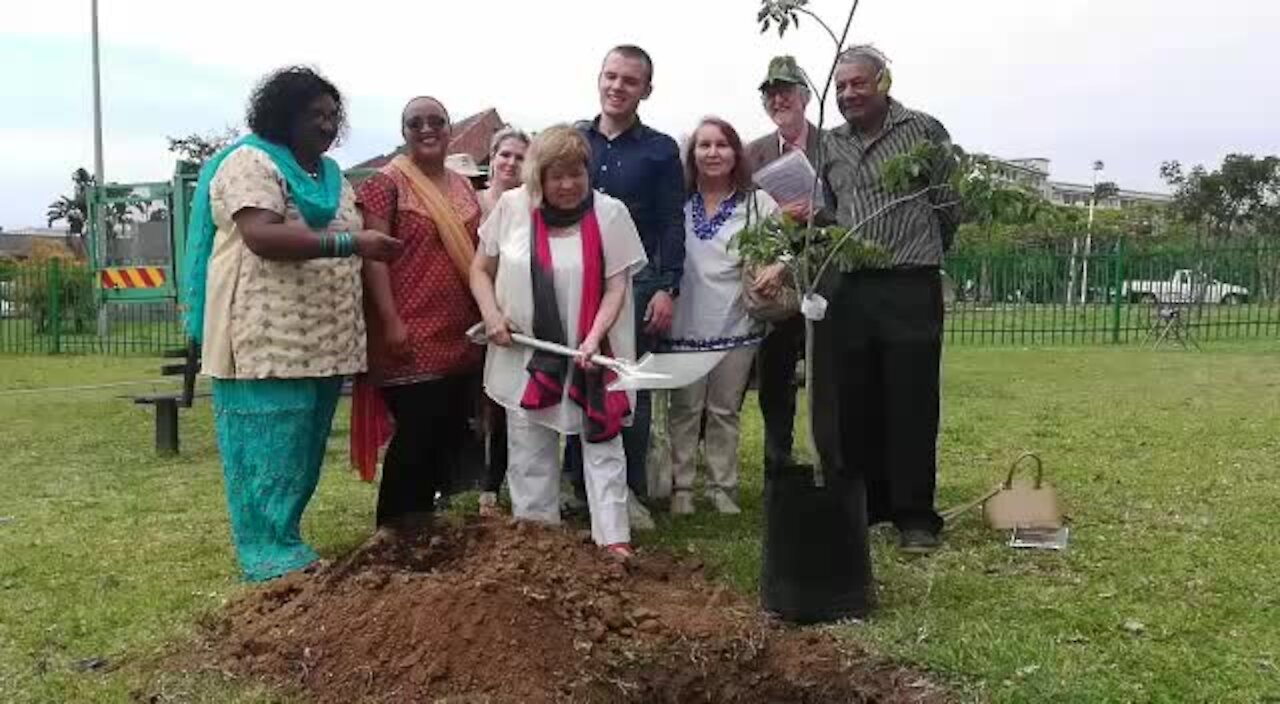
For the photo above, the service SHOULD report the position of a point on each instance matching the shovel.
(672, 370)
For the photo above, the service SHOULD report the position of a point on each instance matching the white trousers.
(718, 395)
(533, 478)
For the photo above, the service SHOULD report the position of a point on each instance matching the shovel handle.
(1008, 482)
(476, 335)
(564, 350)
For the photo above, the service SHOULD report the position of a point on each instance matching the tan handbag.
(1022, 502)
(769, 310)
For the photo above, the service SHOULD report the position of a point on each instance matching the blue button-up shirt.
(641, 167)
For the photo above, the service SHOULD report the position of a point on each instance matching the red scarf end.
(542, 391)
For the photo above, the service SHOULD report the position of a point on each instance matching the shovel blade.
(666, 370)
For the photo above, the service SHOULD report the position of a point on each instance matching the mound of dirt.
(498, 611)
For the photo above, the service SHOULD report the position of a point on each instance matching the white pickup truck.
(1185, 287)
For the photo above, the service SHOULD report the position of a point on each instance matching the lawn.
(1166, 462)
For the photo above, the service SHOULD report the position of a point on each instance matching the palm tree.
(67, 209)
(73, 209)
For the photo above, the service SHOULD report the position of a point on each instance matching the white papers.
(789, 179)
(1040, 538)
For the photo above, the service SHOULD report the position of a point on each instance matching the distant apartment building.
(1033, 175)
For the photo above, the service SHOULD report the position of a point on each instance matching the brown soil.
(498, 611)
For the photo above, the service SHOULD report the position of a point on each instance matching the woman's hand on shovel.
(589, 348)
(498, 329)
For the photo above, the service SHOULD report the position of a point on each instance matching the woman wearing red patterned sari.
(420, 307)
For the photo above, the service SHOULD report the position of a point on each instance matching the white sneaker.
(720, 499)
(637, 514)
(682, 503)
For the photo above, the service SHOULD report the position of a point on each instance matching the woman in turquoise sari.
(274, 297)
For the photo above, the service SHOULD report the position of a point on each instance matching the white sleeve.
(494, 225)
(623, 249)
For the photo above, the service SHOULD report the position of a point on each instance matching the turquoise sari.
(272, 433)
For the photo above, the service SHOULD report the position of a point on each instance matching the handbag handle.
(1008, 482)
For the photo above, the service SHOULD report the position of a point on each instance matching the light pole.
(99, 239)
(1088, 234)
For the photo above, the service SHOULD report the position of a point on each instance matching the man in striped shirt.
(884, 326)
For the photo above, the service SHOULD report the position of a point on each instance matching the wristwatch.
(673, 291)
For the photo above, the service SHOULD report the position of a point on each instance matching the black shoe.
(918, 541)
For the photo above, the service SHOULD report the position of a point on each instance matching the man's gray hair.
(865, 54)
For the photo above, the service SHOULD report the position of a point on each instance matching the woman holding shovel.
(555, 261)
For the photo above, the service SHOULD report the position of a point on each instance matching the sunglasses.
(435, 122)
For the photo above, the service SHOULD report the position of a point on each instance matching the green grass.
(1165, 461)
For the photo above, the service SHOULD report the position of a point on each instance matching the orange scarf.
(427, 200)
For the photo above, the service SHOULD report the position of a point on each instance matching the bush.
(77, 302)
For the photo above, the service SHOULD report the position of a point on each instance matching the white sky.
(1130, 82)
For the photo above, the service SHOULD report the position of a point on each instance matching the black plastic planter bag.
(817, 564)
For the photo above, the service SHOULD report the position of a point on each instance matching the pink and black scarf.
(548, 373)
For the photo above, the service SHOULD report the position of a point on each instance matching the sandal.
(620, 550)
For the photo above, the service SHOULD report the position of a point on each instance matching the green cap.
(783, 69)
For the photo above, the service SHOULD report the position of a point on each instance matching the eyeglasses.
(435, 122)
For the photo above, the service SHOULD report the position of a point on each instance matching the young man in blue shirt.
(641, 167)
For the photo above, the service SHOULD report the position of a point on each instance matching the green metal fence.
(1014, 298)
(56, 307)
(1064, 297)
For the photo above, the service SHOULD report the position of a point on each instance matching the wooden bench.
(168, 403)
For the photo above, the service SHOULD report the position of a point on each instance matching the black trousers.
(497, 445)
(431, 431)
(884, 335)
(776, 388)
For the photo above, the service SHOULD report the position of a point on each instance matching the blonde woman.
(506, 160)
(556, 261)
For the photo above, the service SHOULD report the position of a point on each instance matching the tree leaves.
(784, 13)
(196, 148)
(782, 239)
(1241, 197)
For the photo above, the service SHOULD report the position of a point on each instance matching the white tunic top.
(710, 313)
(507, 235)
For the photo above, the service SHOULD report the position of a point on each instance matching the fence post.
(55, 304)
(1117, 279)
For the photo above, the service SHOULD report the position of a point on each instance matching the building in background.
(39, 243)
(1033, 175)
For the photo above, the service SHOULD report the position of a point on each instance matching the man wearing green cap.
(785, 95)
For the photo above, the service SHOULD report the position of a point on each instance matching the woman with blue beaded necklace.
(711, 314)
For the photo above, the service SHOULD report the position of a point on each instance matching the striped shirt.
(916, 232)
